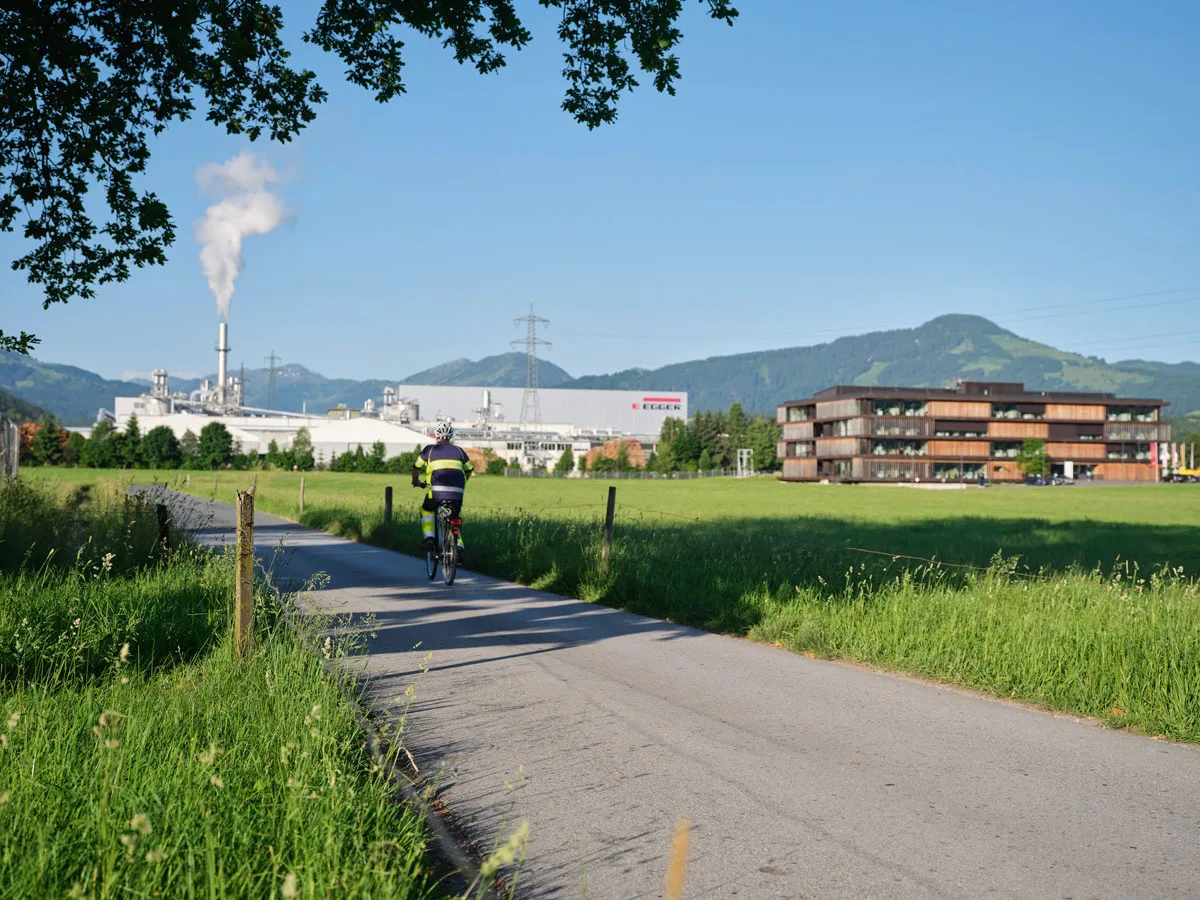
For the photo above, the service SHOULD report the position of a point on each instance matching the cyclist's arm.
(468, 467)
(417, 470)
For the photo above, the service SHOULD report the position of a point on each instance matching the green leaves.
(85, 83)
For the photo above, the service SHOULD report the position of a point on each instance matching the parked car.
(1035, 479)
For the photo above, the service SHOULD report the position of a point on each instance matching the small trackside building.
(894, 434)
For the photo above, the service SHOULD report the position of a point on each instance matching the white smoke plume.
(245, 206)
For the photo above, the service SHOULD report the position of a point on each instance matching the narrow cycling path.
(801, 778)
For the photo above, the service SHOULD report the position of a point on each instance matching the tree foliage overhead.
(84, 84)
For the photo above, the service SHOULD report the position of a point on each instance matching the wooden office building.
(882, 434)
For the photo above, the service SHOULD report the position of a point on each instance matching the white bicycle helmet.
(444, 431)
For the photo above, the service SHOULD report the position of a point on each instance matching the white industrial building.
(404, 418)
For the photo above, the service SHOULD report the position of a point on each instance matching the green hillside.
(17, 410)
(73, 395)
(297, 387)
(504, 370)
(933, 355)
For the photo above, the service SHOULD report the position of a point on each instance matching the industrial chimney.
(222, 360)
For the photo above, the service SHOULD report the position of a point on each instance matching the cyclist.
(444, 470)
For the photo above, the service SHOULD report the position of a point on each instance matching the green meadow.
(1083, 599)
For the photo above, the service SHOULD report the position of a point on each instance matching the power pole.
(531, 410)
(272, 362)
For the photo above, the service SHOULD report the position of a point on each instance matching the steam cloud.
(245, 206)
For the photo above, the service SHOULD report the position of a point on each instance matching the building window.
(899, 426)
(1006, 449)
(959, 433)
(801, 448)
(1137, 452)
(956, 472)
(1018, 411)
(898, 448)
(1133, 414)
(799, 413)
(899, 408)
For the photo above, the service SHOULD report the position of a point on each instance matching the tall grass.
(1093, 615)
(138, 757)
(219, 778)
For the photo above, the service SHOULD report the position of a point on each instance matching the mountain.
(505, 370)
(931, 355)
(17, 410)
(73, 395)
(298, 388)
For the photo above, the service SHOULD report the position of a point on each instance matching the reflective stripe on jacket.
(445, 467)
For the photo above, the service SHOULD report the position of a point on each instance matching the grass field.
(1087, 600)
(139, 758)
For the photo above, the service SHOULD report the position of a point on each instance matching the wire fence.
(845, 548)
(634, 475)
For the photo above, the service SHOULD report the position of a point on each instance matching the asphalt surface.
(801, 778)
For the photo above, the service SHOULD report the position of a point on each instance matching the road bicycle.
(444, 554)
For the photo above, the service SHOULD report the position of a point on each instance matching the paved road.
(802, 778)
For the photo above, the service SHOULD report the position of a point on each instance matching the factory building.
(638, 413)
(973, 430)
(405, 416)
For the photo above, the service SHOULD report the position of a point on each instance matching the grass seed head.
(288, 890)
(506, 854)
(141, 824)
(156, 856)
(4, 795)
(13, 720)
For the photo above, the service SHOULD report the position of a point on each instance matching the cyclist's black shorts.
(431, 505)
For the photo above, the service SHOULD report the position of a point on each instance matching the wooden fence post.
(302, 493)
(164, 527)
(243, 622)
(387, 507)
(608, 524)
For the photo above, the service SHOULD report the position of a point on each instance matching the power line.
(854, 330)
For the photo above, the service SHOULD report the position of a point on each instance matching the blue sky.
(825, 169)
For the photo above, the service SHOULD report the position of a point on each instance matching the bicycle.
(445, 547)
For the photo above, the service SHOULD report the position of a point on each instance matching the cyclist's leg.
(456, 513)
(427, 511)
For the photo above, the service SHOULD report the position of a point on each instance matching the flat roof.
(1003, 392)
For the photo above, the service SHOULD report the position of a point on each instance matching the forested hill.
(503, 370)
(297, 387)
(931, 355)
(17, 410)
(72, 394)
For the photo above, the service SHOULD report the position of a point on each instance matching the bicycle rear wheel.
(431, 555)
(449, 546)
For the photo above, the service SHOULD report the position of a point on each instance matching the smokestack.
(222, 360)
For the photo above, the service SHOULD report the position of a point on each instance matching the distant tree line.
(708, 442)
(711, 441)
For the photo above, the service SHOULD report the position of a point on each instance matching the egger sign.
(667, 404)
